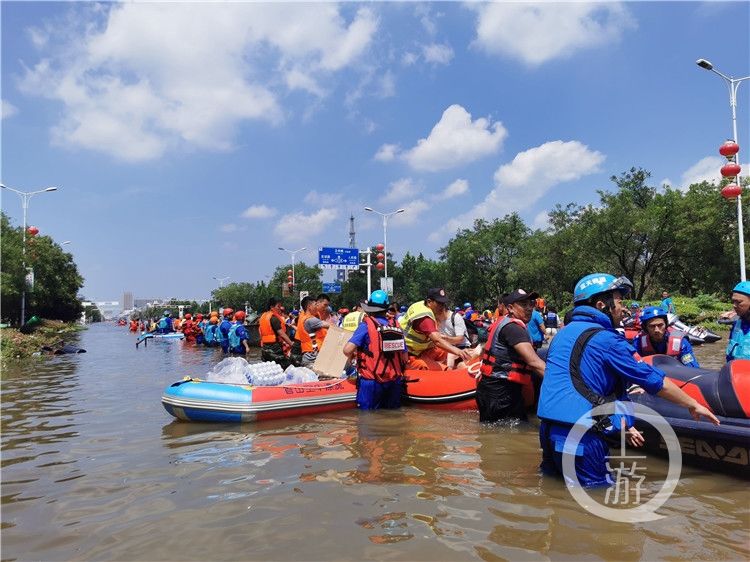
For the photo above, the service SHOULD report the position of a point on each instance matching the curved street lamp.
(25, 198)
(733, 84)
(385, 237)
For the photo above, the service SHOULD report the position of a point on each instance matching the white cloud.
(541, 220)
(230, 227)
(436, 53)
(458, 187)
(527, 178)
(386, 153)
(323, 199)
(298, 227)
(137, 79)
(537, 32)
(409, 58)
(8, 109)
(456, 140)
(706, 169)
(411, 215)
(400, 190)
(258, 212)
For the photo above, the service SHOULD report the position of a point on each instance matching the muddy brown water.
(93, 468)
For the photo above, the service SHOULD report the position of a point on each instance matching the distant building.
(127, 300)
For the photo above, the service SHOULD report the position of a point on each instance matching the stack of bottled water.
(297, 375)
(267, 373)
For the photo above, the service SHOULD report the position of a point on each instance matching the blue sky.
(190, 140)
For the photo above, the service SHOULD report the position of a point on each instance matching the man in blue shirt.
(656, 337)
(237, 336)
(165, 324)
(224, 327)
(590, 363)
(666, 303)
(739, 338)
(536, 328)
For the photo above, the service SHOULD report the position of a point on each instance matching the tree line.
(56, 277)
(684, 241)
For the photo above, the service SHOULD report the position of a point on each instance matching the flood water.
(93, 468)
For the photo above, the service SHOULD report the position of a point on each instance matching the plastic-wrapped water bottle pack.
(297, 375)
(267, 373)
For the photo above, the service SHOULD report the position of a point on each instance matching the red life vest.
(507, 364)
(385, 359)
(674, 343)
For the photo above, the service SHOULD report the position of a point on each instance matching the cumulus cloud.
(386, 153)
(456, 140)
(8, 109)
(258, 212)
(230, 227)
(706, 169)
(400, 190)
(323, 199)
(436, 53)
(136, 79)
(537, 32)
(412, 211)
(527, 178)
(409, 58)
(541, 220)
(299, 227)
(458, 187)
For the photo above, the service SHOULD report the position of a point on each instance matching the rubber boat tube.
(201, 401)
(723, 448)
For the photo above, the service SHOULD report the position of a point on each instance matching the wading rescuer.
(423, 338)
(165, 324)
(237, 335)
(656, 337)
(739, 338)
(381, 356)
(273, 338)
(590, 363)
(305, 346)
(508, 361)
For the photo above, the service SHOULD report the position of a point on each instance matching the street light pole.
(385, 236)
(293, 253)
(221, 280)
(733, 84)
(25, 197)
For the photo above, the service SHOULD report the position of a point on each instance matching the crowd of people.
(588, 362)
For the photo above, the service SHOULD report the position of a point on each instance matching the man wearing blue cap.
(739, 338)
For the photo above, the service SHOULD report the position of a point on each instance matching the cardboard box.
(331, 359)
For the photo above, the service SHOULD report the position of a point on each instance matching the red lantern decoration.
(729, 149)
(380, 247)
(289, 271)
(731, 192)
(32, 230)
(288, 277)
(380, 256)
(730, 170)
(289, 284)
(380, 266)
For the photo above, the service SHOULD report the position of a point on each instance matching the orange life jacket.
(307, 343)
(385, 358)
(674, 343)
(506, 365)
(267, 335)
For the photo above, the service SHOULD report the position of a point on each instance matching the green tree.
(56, 277)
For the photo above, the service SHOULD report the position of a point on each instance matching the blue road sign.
(338, 258)
(331, 287)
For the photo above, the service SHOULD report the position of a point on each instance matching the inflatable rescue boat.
(724, 448)
(202, 401)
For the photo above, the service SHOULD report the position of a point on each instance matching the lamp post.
(385, 236)
(25, 198)
(221, 280)
(733, 84)
(293, 253)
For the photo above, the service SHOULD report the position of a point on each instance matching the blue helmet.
(402, 309)
(167, 313)
(457, 309)
(598, 283)
(379, 297)
(634, 304)
(651, 312)
(742, 287)
(467, 305)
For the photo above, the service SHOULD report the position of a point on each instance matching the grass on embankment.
(15, 345)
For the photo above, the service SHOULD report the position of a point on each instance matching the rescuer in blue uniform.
(590, 363)
(164, 325)
(739, 338)
(656, 337)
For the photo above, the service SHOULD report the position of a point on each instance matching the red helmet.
(227, 311)
(239, 315)
(199, 316)
(188, 316)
